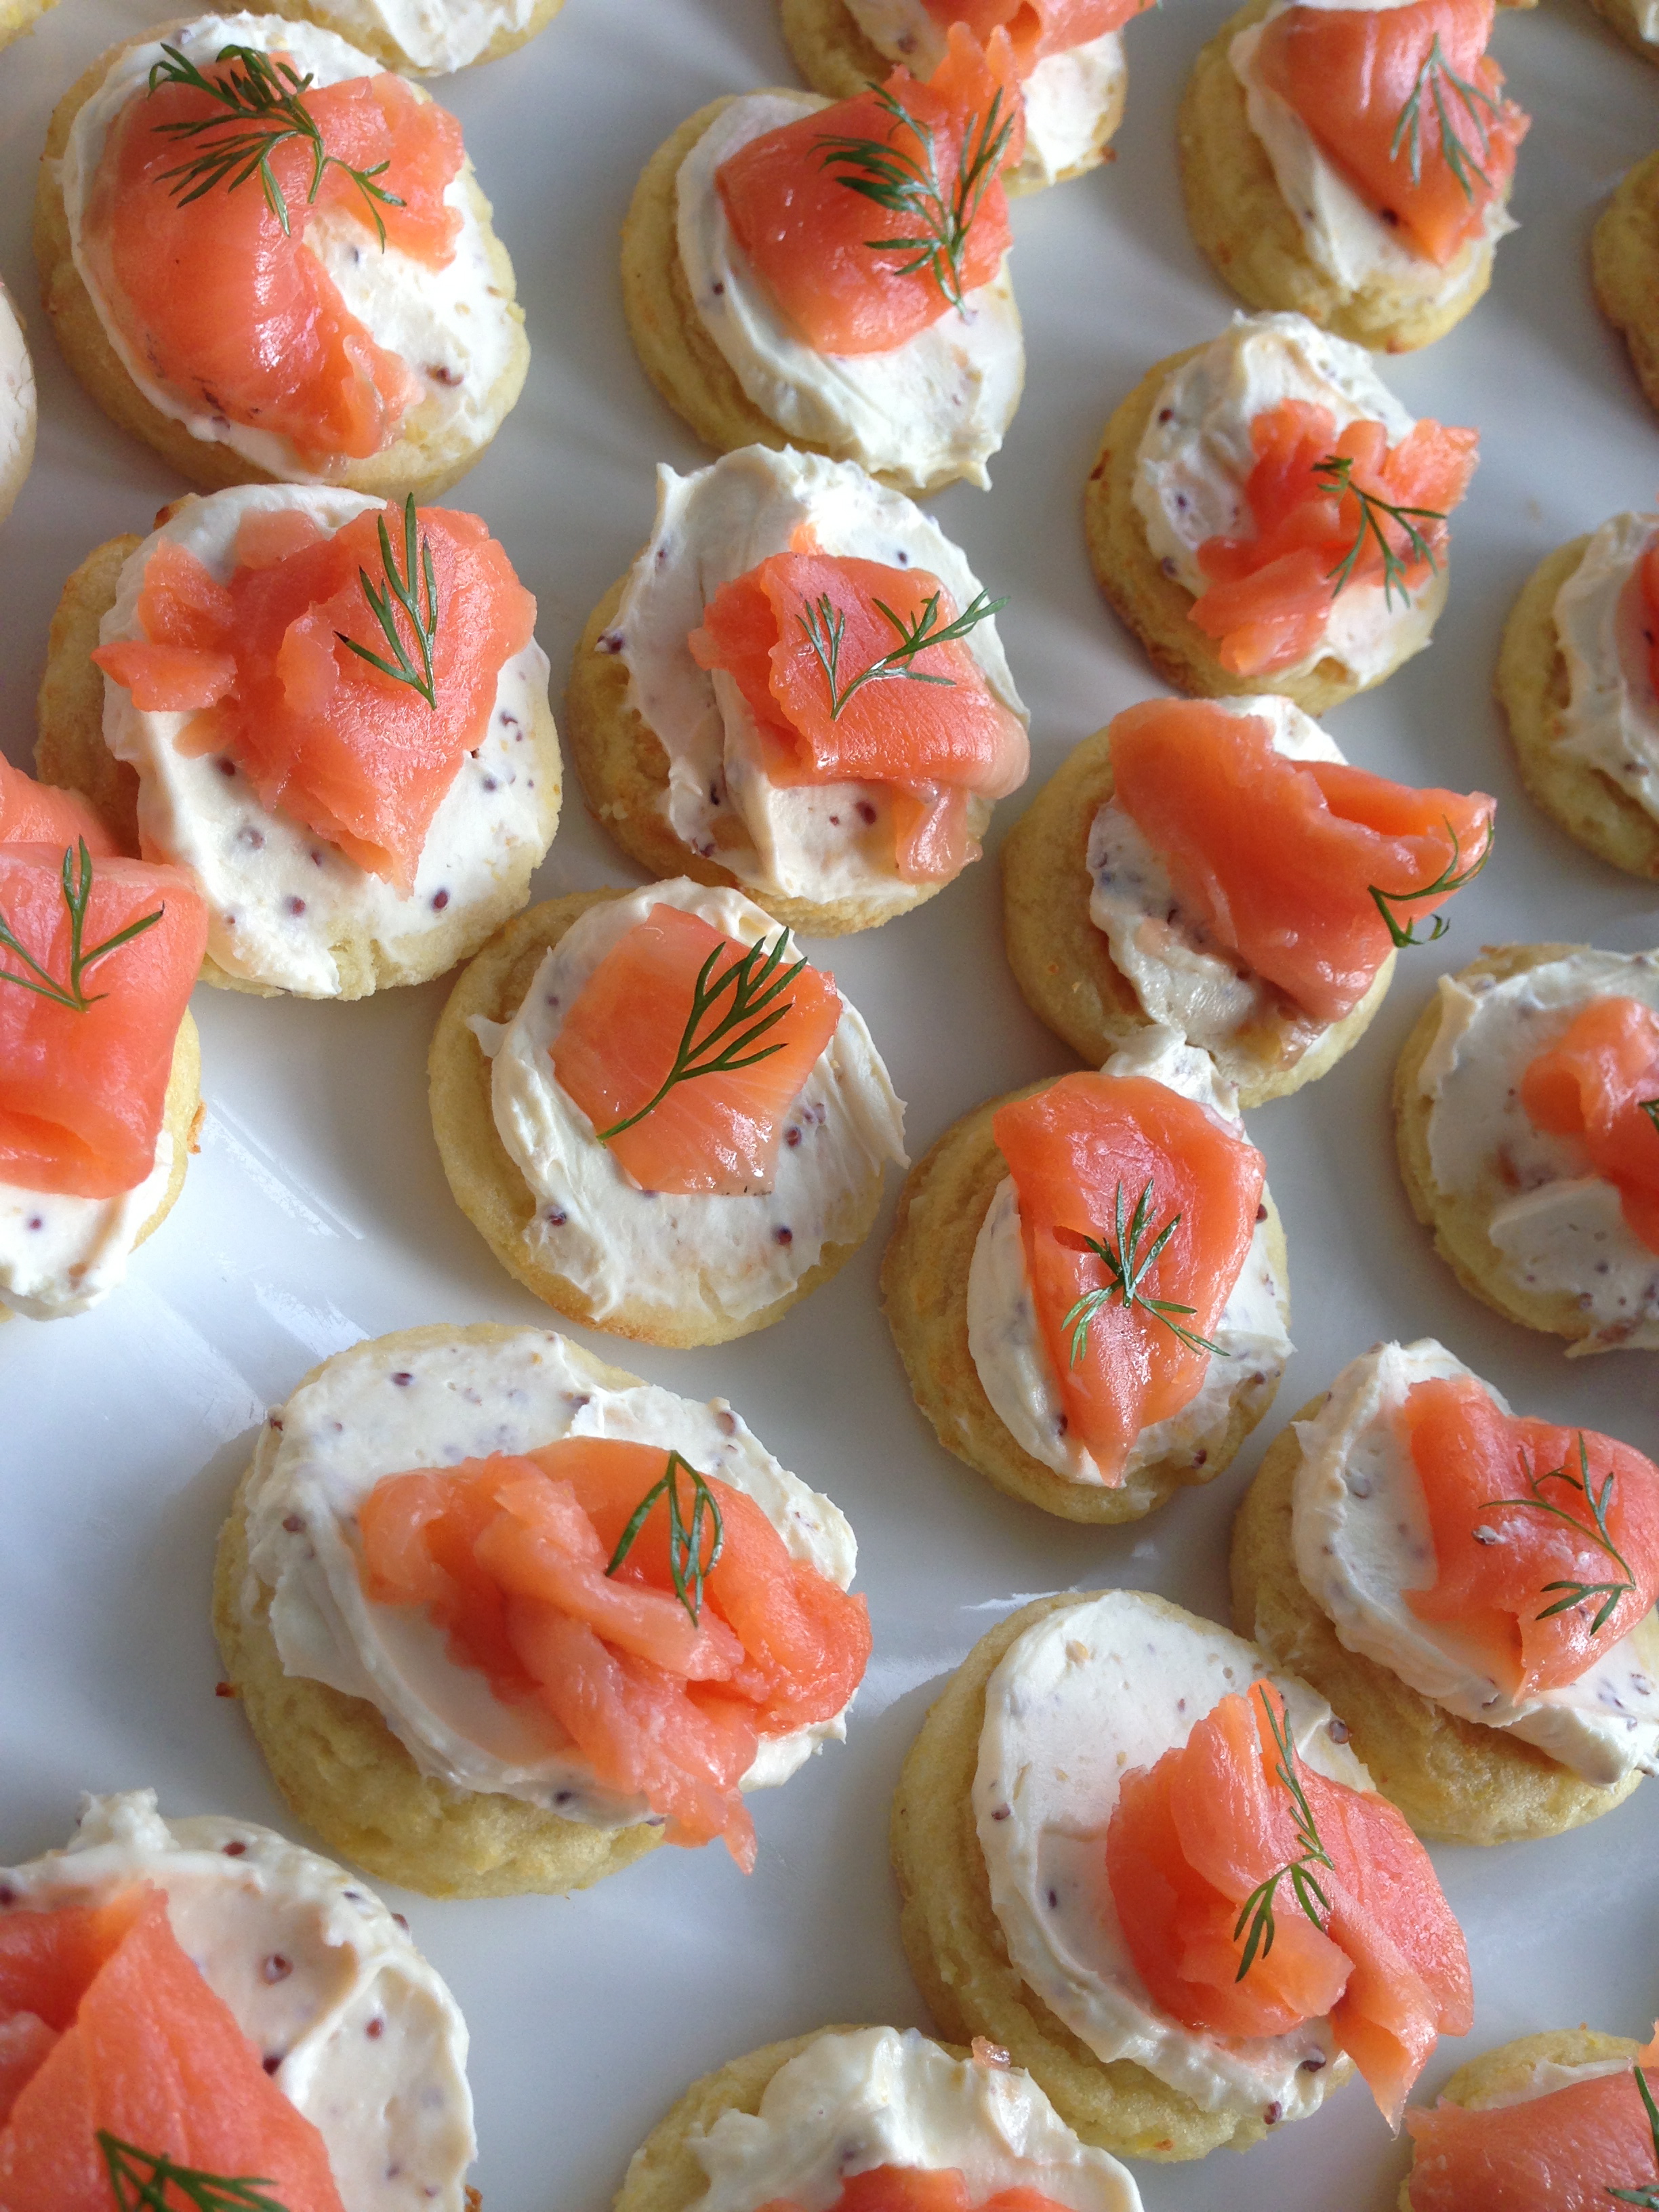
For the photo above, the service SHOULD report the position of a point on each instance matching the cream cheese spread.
(1196, 458)
(1087, 1693)
(1364, 1541)
(819, 842)
(60, 1254)
(1012, 1356)
(280, 899)
(922, 413)
(356, 2029)
(434, 36)
(1611, 720)
(392, 1407)
(17, 406)
(720, 1256)
(454, 327)
(1554, 1226)
(875, 2096)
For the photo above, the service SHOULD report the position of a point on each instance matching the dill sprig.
(1128, 1266)
(1650, 1108)
(686, 1562)
(1448, 880)
(1257, 1911)
(756, 980)
(825, 626)
(1433, 77)
(78, 890)
(909, 184)
(268, 96)
(405, 591)
(1575, 1594)
(1647, 2196)
(1334, 474)
(140, 2191)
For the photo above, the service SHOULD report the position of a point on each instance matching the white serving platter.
(317, 1212)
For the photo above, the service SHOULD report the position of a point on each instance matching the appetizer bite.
(100, 1065)
(1160, 1880)
(662, 1120)
(1625, 268)
(1263, 506)
(1352, 163)
(1069, 54)
(16, 405)
(1217, 868)
(1088, 1286)
(421, 39)
(503, 1619)
(835, 277)
(1523, 1107)
(861, 2118)
(330, 712)
(270, 259)
(797, 690)
(1577, 679)
(187, 2003)
(1471, 1590)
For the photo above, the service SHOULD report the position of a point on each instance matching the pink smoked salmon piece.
(809, 236)
(1071, 1150)
(509, 1555)
(932, 741)
(135, 2043)
(1278, 857)
(712, 1133)
(1559, 2153)
(1467, 1453)
(1192, 1838)
(1037, 28)
(1351, 73)
(1269, 599)
(238, 321)
(1593, 1085)
(356, 755)
(82, 1094)
(33, 813)
(921, 2189)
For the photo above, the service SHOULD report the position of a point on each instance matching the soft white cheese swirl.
(60, 1254)
(434, 36)
(1611, 719)
(17, 405)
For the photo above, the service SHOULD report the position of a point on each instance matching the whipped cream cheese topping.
(1554, 1226)
(1611, 719)
(17, 406)
(280, 899)
(877, 2096)
(618, 1244)
(455, 326)
(935, 408)
(437, 36)
(60, 1254)
(397, 1406)
(819, 842)
(1363, 1539)
(357, 2030)
(1012, 1356)
(1195, 457)
(1084, 1696)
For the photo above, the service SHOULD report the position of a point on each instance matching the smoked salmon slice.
(1407, 104)
(358, 755)
(1037, 28)
(800, 634)
(83, 1085)
(810, 205)
(1269, 601)
(147, 2056)
(675, 994)
(921, 2189)
(33, 813)
(1546, 1583)
(1195, 1839)
(1083, 1153)
(1283, 860)
(1597, 1085)
(233, 313)
(662, 1632)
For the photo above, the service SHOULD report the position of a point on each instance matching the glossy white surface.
(318, 1213)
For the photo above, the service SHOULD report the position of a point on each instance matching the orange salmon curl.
(1595, 1084)
(1037, 28)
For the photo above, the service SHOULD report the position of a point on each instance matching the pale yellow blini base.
(359, 26)
(18, 16)
(1625, 268)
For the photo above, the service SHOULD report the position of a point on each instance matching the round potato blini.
(1625, 268)
(344, 1773)
(364, 24)
(924, 1288)
(1534, 689)
(426, 458)
(1063, 963)
(1622, 15)
(1455, 1781)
